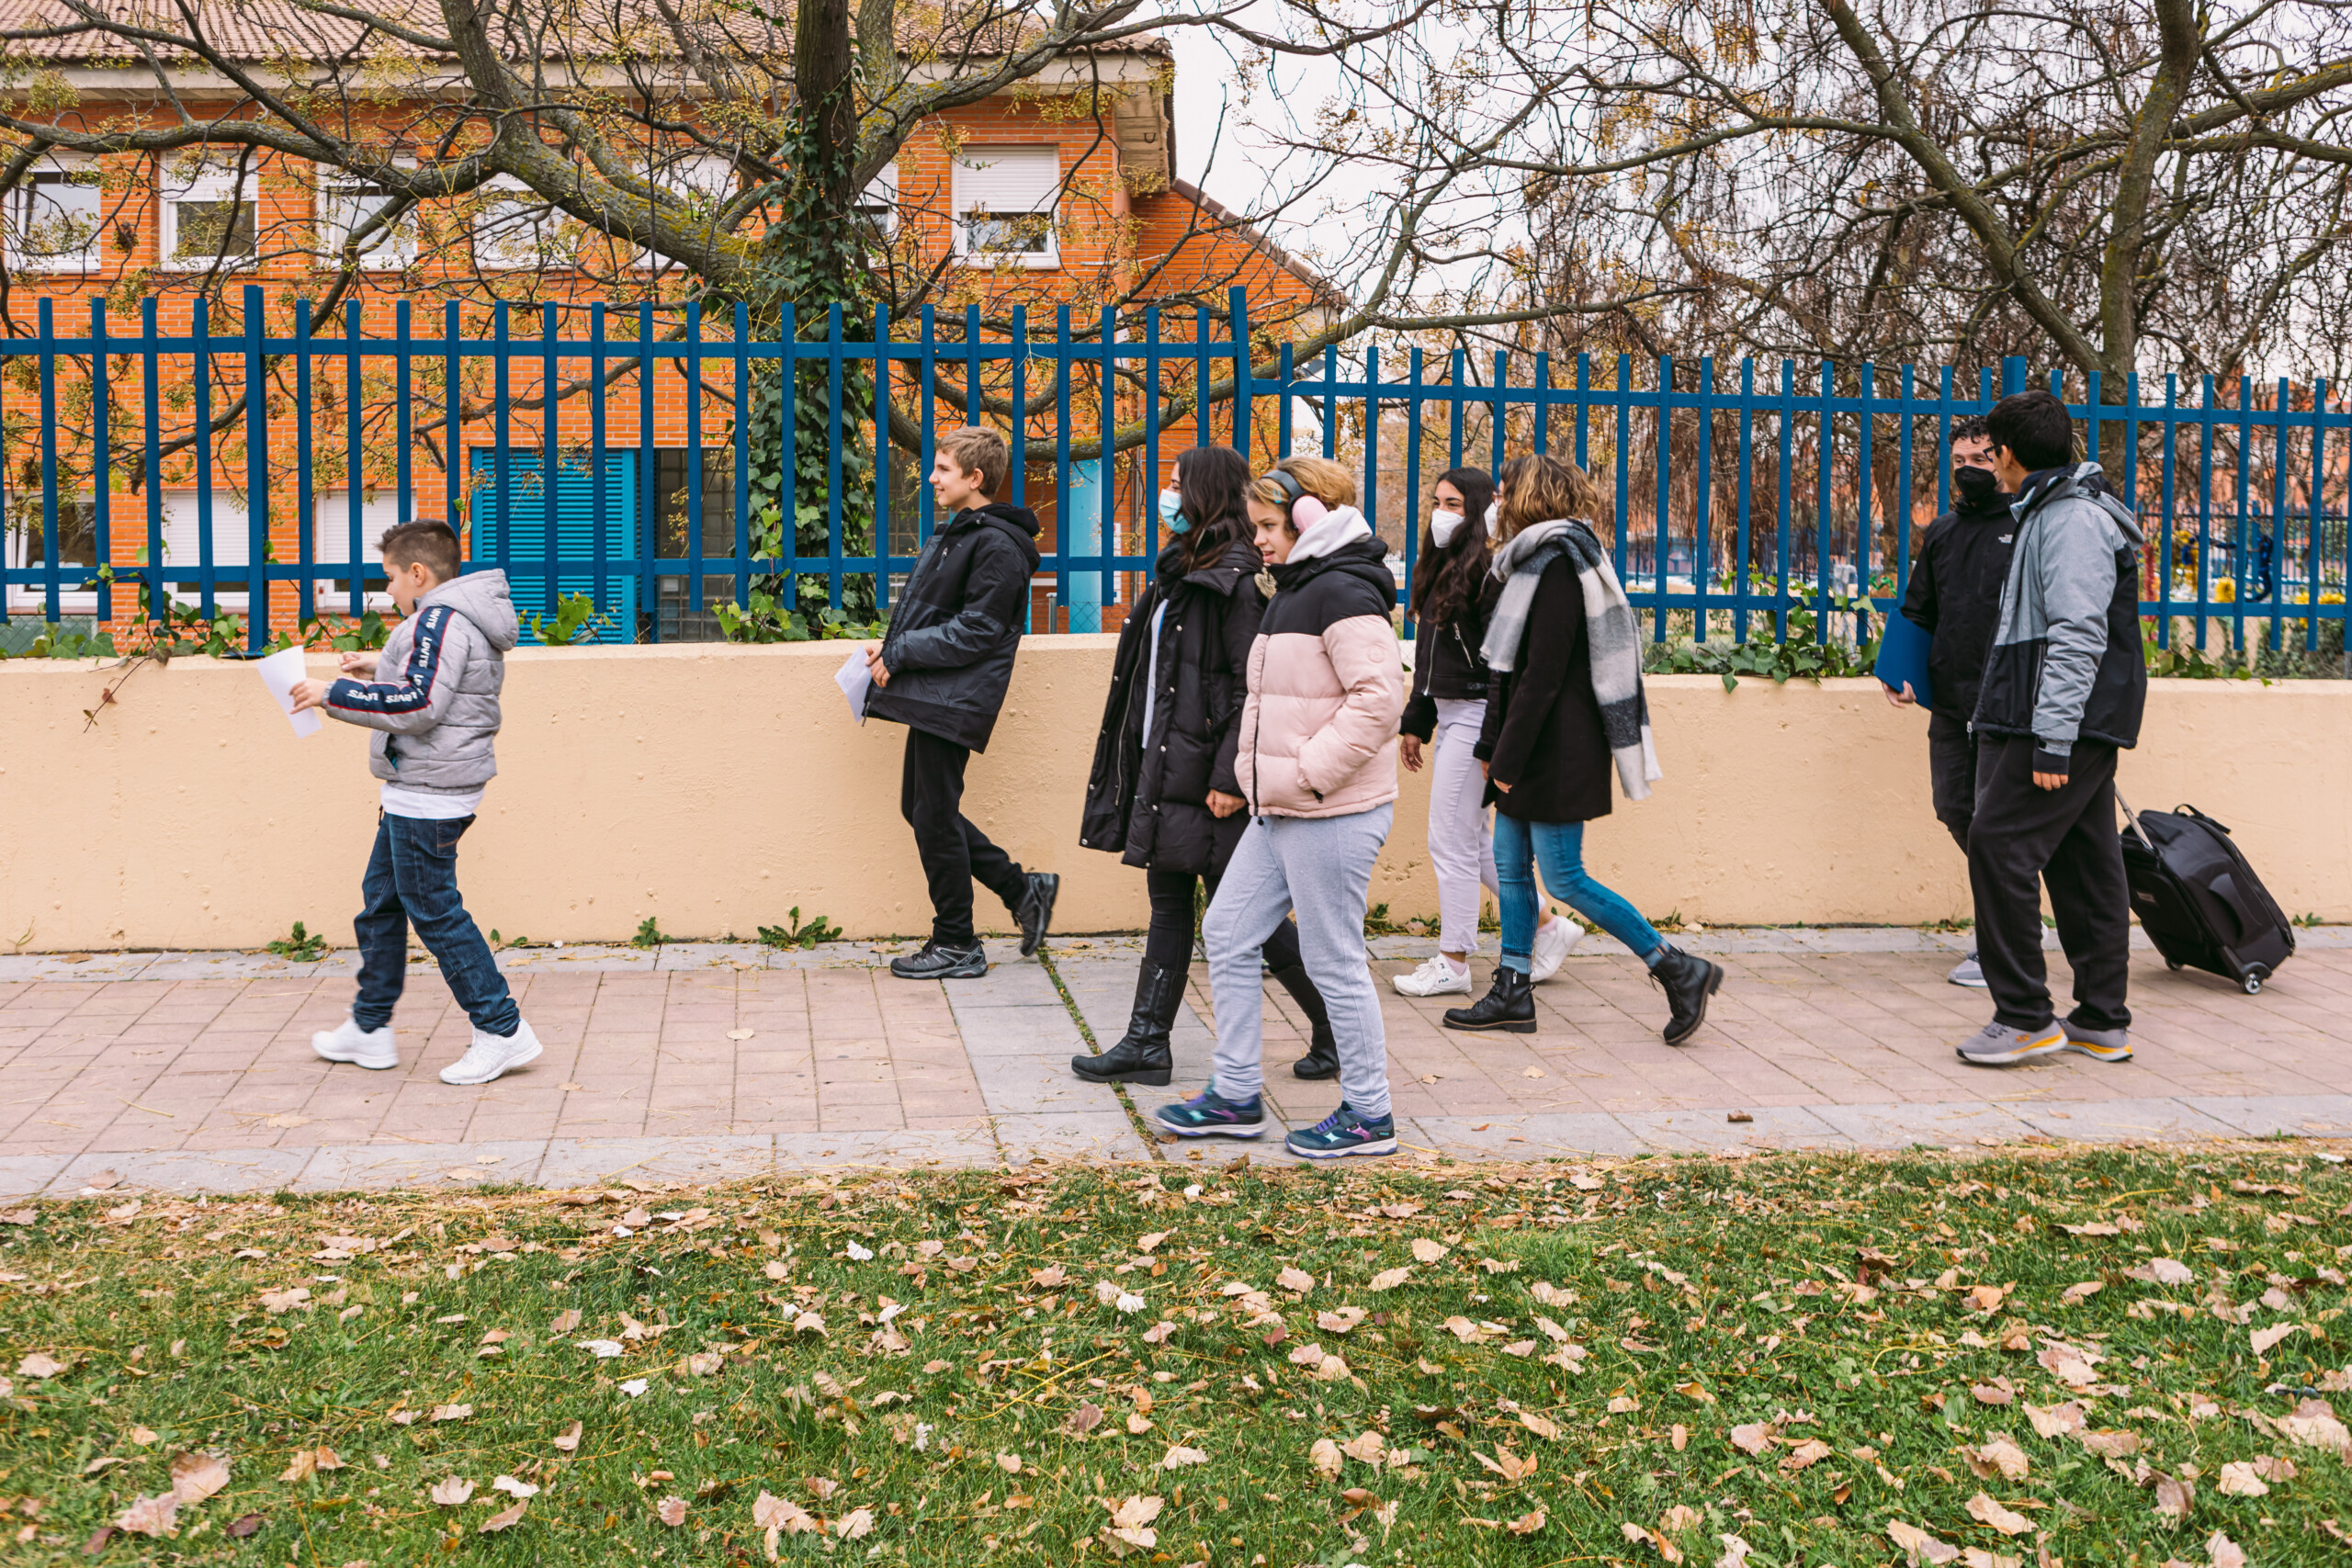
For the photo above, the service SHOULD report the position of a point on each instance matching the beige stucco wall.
(715, 787)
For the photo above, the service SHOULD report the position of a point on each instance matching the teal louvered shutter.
(575, 534)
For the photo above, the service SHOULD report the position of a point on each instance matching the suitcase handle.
(2185, 810)
(2133, 819)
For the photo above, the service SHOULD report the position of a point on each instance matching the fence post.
(2013, 374)
(101, 522)
(1238, 309)
(257, 479)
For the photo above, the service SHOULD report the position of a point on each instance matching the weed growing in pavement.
(797, 935)
(2103, 1356)
(648, 934)
(301, 946)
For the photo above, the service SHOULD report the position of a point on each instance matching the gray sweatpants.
(1320, 867)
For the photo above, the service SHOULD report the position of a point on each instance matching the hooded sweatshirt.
(1954, 595)
(956, 627)
(2067, 663)
(1327, 687)
(435, 709)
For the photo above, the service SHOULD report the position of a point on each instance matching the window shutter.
(1006, 179)
(575, 530)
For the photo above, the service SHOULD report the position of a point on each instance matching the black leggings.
(1169, 942)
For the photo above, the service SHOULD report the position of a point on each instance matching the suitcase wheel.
(2251, 981)
(2174, 965)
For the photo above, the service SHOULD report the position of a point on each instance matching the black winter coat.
(1146, 798)
(1542, 734)
(1446, 663)
(1955, 596)
(958, 626)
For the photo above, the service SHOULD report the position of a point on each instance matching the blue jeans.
(1559, 848)
(413, 879)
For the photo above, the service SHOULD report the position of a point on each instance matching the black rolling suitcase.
(2199, 899)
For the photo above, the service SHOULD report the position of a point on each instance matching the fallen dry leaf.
(505, 1518)
(451, 1490)
(568, 1441)
(1998, 1456)
(1527, 1524)
(2173, 1498)
(1298, 1281)
(1179, 1456)
(1009, 1464)
(1324, 1457)
(2224, 1552)
(1428, 1251)
(40, 1365)
(2264, 1338)
(2241, 1479)
(195, 1476)
(1917, 1544)
(1810, 1451)
(855, 1525)
(1754, 1437)
(150, 1515)
(1131, 1521)
(1082, 1420)
(1985, 1511)
(513, 1488)
(1389, 1279)
(1366, 1447)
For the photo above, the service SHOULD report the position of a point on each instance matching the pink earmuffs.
(1306, 511)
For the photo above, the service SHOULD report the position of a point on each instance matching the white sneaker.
(1435, 977)
(492, 1054)
(1553, 944)
(346, 1042)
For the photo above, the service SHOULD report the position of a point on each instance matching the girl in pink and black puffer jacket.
(1316, 763)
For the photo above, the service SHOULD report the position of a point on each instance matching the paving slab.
(1084, 1135)
(376, 1167)
(240, 1170)
(1766, 1126)
(1536, 1137)
(2266, 1116)
(589, 1162)
(24, 1175)
(2124, 1121)
(1932, 1124)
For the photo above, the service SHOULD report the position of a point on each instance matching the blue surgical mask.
(1171, 511)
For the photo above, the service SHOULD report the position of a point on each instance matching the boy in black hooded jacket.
(942, 671)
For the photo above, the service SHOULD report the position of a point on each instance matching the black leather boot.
(1141, 1054)
(1509, 1005)
(1688, 981)
(1322, 1059)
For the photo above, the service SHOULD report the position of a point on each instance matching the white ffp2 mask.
(1443, 526)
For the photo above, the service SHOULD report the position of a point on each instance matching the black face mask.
(1976, 486)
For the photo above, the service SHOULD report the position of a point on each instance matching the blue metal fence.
(1735, 507)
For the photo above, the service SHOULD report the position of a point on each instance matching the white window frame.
(970, 170)
(210, 182)
(32, 598)
(709, 177)
(52, 172)
(506, 192)
(231, 547)
(339, 193)
(879, 203)
(380, 510)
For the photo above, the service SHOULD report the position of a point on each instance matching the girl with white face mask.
(1447, 706)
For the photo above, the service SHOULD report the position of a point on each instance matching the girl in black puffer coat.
(1162, 793)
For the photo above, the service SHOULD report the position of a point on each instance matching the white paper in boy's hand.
(854, 678)
(278, 672)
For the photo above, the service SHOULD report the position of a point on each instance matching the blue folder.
(1903, 657)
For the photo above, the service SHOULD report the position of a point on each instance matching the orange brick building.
(1057, 193)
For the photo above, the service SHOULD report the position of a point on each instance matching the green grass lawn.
(2030, 1357)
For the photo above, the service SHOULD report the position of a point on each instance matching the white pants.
(1461, 851)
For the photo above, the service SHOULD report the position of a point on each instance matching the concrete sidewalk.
(193, 1071)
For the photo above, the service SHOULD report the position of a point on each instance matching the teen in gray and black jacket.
(2064, 689)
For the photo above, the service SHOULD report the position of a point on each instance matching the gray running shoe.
(1968, 973)
(2100, 1044)
(1998, 1045)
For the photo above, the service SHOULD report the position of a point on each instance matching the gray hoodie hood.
(485, 599)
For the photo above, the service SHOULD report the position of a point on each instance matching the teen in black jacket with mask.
(1162, 793)
(1954, 596)
(942, 671)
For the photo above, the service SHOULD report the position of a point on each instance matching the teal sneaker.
(1209, 1114)
(1344, 1133)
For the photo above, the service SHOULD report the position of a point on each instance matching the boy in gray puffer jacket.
(436, 720)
